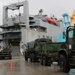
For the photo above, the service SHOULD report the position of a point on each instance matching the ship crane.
(72, 19)
(66, 23)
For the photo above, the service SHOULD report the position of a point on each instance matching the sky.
(50, 7)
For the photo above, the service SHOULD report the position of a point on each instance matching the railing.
(5, 31)
(10, 37)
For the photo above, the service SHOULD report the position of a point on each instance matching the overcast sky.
(56, 7)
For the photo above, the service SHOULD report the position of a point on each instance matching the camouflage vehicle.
(49, 53)
(5, 54)
(34, 49)
(46, 51)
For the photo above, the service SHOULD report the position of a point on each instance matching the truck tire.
(41, 60)
(49, 62)
(26, 57)
(44, 61)
(32, 57)
(10, 57)
(63, 63)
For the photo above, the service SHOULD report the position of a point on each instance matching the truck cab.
(67, 51)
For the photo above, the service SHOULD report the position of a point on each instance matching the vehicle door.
(70, 39)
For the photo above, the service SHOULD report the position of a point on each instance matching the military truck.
(46, 51)
(34, 49)
(5, 53)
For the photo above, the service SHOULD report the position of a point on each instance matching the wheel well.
(63, 52)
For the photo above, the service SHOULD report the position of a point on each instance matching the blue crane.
(66, 23)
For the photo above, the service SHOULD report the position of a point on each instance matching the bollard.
(10, 65)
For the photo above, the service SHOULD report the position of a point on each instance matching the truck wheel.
(49, 62)
(10, 57)
(41, 60)
(63, 63)
(44, 61)
(26, 57)
(32, 57)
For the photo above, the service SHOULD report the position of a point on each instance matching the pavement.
(18, 66)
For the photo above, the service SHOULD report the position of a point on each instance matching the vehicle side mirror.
(64, 35)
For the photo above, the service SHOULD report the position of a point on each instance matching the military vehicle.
(5, 54)
(46, 51)
(67, 51)
(34, 49)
